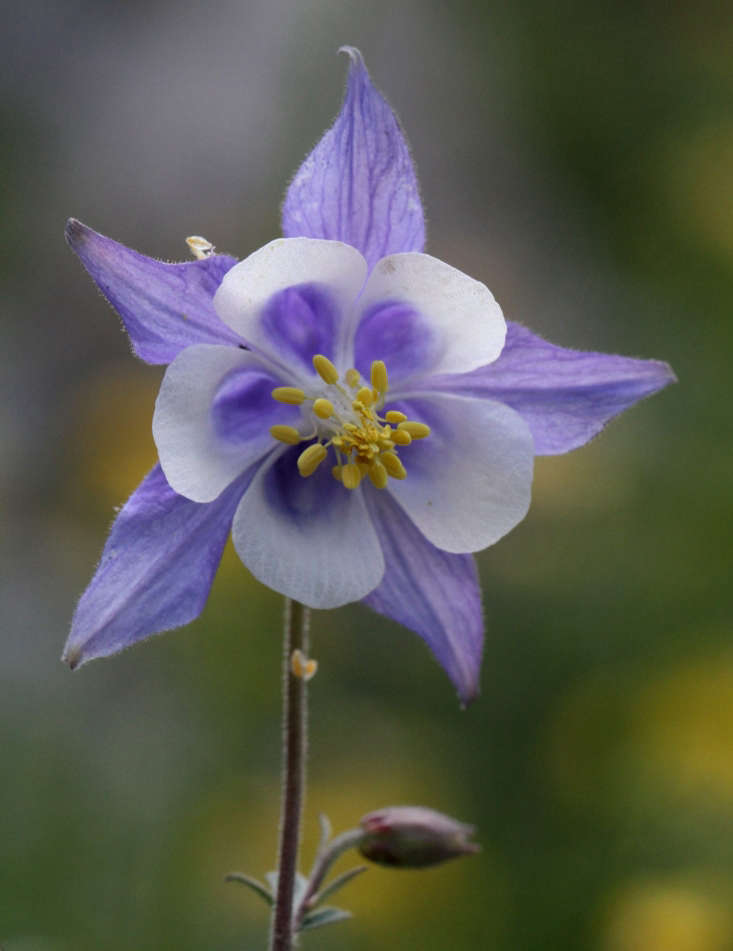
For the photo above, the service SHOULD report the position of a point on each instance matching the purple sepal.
(358, 185)
(156, 569)
(432, 592)
(565, 396)
(164, 307)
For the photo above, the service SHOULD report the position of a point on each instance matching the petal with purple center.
(212, 418)
(420, 316)
(358, 185)
(308, 538)
(433, 593)
(289, 299)
(164, 307)
(565, 396)
(469, 482)
(156, 569)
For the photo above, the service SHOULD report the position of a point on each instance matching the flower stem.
(293, 774)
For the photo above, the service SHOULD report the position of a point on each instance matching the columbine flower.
(355, 411)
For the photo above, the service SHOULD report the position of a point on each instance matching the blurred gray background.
(574, 156)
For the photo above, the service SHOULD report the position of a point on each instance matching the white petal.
(469, 482)
(331, 266)
(198, 462)
(310, 539)
(460, 314)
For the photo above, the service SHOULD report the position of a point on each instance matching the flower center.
(345, 416)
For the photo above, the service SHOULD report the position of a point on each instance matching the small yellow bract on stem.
(302, 666)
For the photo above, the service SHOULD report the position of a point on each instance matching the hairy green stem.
(324, 860)
(293, 774)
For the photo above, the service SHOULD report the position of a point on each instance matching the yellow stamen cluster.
(365, 443)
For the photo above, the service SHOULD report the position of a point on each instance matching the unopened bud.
(414, 837)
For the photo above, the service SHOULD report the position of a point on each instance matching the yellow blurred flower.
(666, 916)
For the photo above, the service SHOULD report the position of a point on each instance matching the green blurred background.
(578, 158)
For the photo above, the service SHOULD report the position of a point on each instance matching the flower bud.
(413, 837)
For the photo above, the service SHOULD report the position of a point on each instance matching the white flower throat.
(345, 417)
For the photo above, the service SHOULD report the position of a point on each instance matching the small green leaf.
(326, 830)
(257, 887)
(324, 916)
(338, 883)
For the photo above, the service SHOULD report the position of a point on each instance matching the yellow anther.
(392, 464)
(286, 434)
(352, 378)
(379, 376)
(394, 416)
(323, 408)
(288, 394)
(351, 475)
(199, 247)
(416, 430)
(336, 472)
(365, 396)
(325, 369)
(302, 666)
(378, 474)
(385, 443)
(401, 437)
(311, 458)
